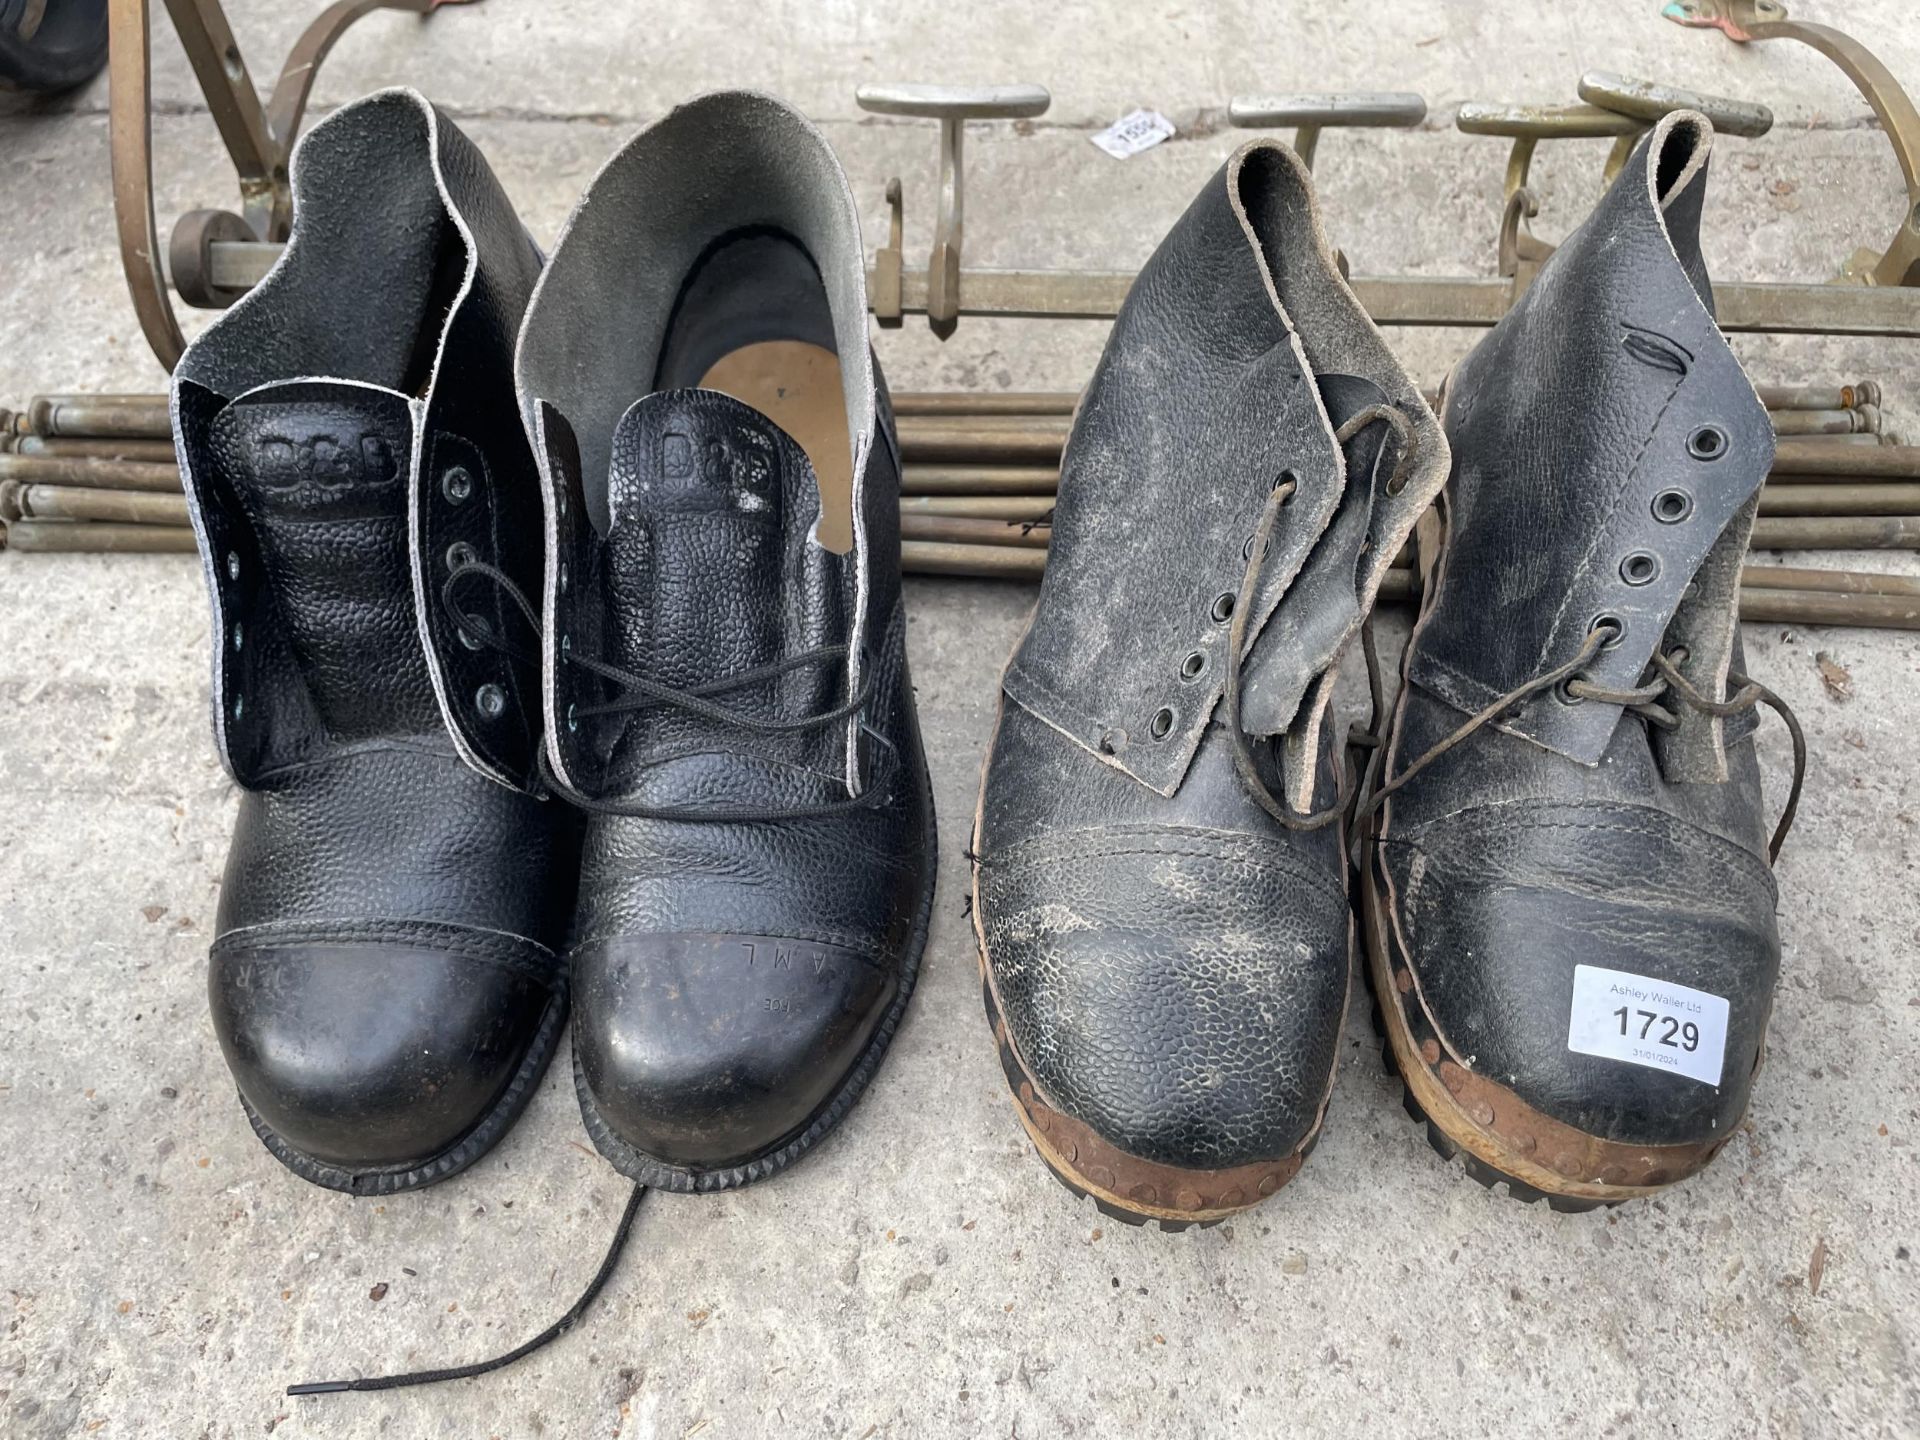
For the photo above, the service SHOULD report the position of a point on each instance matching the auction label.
(1648, 1022)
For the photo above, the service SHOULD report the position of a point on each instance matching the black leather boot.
(385, 979)
(727, 689)
(1160, 886)
(1569, 897)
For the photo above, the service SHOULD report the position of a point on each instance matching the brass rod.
(153, 452)
(1809, 607)
(75, 502)
(964, 531)
(1840, 582)
(983, 441)
(82, 537)
(1853, 532)
(1881, 498)
(1823, 422)
(1819, 397)
(980, 507)
(103, 397)
(979, 479)
(1810, 457)
(90, 471)
(121, 419)
(926, 557)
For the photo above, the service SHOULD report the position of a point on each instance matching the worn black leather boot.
(1160, 885)
(1569, 894)
(727, 689)
(385, 978)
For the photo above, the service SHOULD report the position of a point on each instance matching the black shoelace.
(641, 692)
(637, 692)
(520, 1352)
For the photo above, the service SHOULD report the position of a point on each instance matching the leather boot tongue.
(320, 469)
(707, 575)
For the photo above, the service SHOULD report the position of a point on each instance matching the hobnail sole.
(1452, 1133)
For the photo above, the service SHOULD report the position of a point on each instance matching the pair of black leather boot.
(1565, 877)
(559, 652)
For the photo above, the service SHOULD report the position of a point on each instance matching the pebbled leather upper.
(1606, 396)
(434, 278)
(1171, 961)
(735, 978)
(386, 961)
(1576, 832)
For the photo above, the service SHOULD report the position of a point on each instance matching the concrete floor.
(922, 1274)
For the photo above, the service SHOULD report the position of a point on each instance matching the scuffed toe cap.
(1180, 994)
(700, 1054)
(1496, 913)
(364, 1061)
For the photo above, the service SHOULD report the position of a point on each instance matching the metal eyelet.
(460, 555)
(573, 717)
(239, 706)
(1194, 666)
(1641, 567)
(233, 565)
(1670, 507)
(565, 577)
(1113, 741)
(1709, 442)
(1609, 622)
(560, 503)
(491, 701)
(566, 644)
(239, 637)
(1222, 607)
(1161, 725)
(456, 484)
(1288, 477)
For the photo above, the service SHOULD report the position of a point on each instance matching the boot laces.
(1663, 681)
(636, 692)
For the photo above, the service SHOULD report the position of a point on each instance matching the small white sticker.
(1130, 134)
(1648, 1022)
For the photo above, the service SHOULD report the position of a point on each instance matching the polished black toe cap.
(363, 1060)
(705, 1053)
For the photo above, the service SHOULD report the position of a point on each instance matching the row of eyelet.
(1221, 613)
(456, 483)
(1642, 567)
(239, 633)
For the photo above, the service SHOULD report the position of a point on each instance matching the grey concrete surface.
(922, 1274)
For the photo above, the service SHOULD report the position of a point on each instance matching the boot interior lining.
(797, 385)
